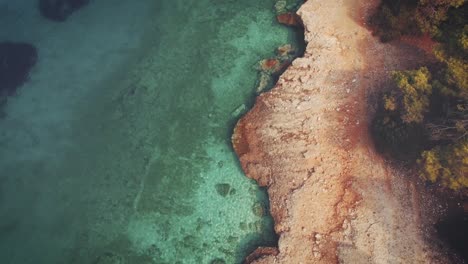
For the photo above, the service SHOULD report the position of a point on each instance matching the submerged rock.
(270, 68)
(284, 6)
(265, 81)
(218, 261)
(258, 209)
(109, 258)
(16, 59)
(59, 10)
(285, 51)
(269, 65)
(286, 12)
(289, 19)
(223, 189)
(239, 110)
(281, 7)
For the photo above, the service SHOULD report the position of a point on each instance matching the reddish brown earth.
(269, 64)
(332, 197)
(289, 19)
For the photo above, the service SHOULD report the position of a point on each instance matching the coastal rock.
(223, 189)
(17, 59)
(59, 10)
(218, 261)
(285, 51)
(269, 65)
(258, 209)
(285, 6)
(289, 19)
(269, 69)
(332, 198)
(264, 82)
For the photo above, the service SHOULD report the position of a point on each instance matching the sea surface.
(117, 149)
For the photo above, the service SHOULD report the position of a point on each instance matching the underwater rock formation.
(286, 12)
(269, 69)
(289, 19)
(59, 10)
(16, 59)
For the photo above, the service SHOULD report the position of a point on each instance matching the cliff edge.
(332, 197)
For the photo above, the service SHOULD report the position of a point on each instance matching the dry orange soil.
(333, 199)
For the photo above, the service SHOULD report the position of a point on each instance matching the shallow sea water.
(117, 150)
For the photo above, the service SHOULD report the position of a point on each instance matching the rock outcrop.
(269, 69)
(289, 19)
(332, 198)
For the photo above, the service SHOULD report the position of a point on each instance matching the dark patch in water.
(16, 60)
(59, 10)
(223, 189)
(9, 227)
(300, 42)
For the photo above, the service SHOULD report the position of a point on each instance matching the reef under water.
(16, 59)
(117, 149)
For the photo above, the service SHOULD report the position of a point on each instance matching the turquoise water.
(118, 148)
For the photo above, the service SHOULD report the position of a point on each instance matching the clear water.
(118, 148)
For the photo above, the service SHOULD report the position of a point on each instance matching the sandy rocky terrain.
(333, 199)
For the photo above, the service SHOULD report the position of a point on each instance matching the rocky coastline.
(333, 199)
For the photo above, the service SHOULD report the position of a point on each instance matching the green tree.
(454, 76)
(429, 14)
(402, 17)
(414, 94)
(447, 165)
(429, 104)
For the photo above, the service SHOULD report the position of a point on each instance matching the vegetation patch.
(424, 118)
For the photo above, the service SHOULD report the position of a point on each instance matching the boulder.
(16, 59)
(258, 209)
(59, 10)
(223, 189)
(264, 82)
(285, 51)
(289, 19)
(269, 65)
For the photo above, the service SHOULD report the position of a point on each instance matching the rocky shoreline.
(333, 199)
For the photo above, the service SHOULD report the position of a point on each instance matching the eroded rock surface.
(332, 198)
